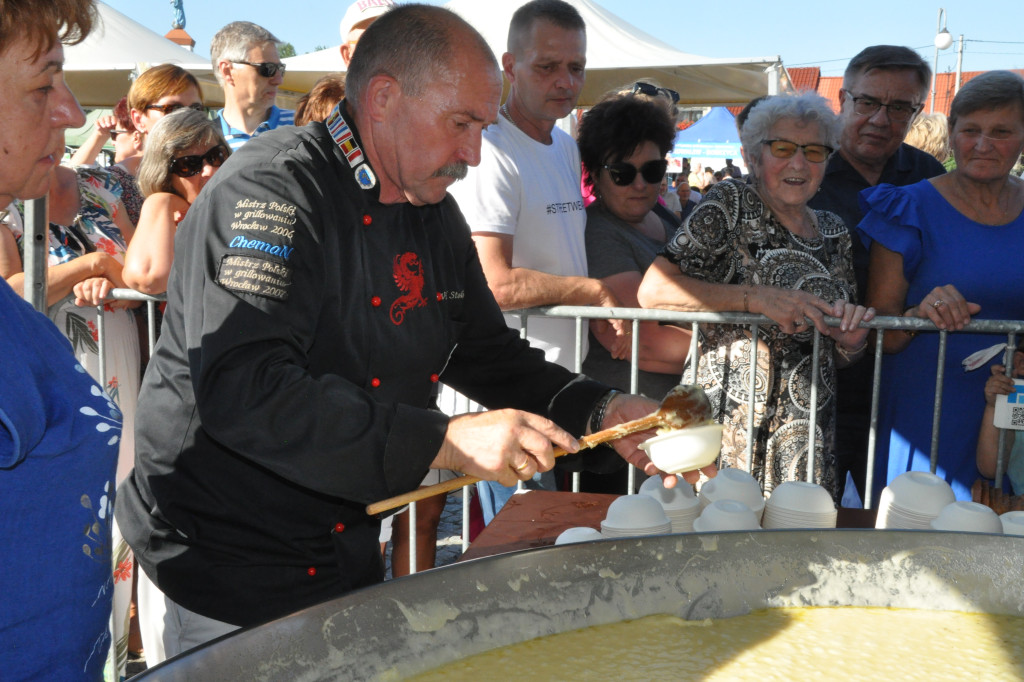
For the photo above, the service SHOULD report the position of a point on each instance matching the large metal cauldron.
(413, 624)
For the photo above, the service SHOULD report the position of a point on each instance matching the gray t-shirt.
(613, 247)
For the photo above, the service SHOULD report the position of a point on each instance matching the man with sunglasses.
(249, 69)
(884, 87)
(524, 202)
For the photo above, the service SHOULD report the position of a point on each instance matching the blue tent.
(714, 136)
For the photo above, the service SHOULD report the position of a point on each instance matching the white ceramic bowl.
(801, 496)
(578, 534)
(726, 515)
(686, 449)
(968, 516)
(921, 492)
(630, 512)
(1013, 522)
(734, 484)
(671, 499)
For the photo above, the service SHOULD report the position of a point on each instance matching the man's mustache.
(453, 170)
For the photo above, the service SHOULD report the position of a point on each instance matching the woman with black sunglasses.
(623, 141)
(183, 152)
(758, 248)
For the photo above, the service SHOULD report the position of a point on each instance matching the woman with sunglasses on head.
(182, 153)
(758, 248)
(119, 129)
(948, 250)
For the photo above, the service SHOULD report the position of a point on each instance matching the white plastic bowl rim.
(801, 496)
(686, 449)
(635, 511)
(578, 534)
(921, 492)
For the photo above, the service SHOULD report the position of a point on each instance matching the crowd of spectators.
(836, 215)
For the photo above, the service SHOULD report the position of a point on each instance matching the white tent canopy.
(618, 53)
(100, 69)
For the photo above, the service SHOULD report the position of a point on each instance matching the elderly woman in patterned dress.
(756, 247)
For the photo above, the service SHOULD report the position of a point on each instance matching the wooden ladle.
(685, 405)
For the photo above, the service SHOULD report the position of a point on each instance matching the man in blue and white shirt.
(249, 69)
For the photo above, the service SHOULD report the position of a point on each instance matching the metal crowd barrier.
(582, 314)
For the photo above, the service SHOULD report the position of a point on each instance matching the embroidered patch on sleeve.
(255, 275)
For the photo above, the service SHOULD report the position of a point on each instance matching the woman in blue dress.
(948, 250)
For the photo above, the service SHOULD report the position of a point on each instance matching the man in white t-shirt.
(523, 202)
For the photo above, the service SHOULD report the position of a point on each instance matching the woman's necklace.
(1003, 211)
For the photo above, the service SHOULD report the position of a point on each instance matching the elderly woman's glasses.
(653, 91)
(897, 111)
(623, 173)
(187, 166)
(266, 69)
(174, 106)
(784, 149)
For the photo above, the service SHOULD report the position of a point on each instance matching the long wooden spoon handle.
(586, 442)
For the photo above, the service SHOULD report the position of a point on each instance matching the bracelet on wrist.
(598, 413)
(851, 352)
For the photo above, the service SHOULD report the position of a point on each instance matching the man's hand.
(502, 445)
(625, 407)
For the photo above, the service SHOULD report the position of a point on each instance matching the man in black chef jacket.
(324, 281)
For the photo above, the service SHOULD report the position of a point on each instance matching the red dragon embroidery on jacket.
(408, 274)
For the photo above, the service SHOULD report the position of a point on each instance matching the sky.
(825, 33)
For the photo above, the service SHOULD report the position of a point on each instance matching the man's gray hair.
(173, 134)
(989, 90)
(804, 107)
(560, 13)
(888, 58)
(414, 44)
(233, 42)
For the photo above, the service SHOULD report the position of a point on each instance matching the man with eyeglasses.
(524, 203)
(249, 69)
(884, 87)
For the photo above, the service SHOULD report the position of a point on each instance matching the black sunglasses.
(653, 91)
(266, 69)
(187, 166)
(623, 173)
(784, 149)
(115, 133)
(174, 106)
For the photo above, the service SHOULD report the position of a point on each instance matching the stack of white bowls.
(726, 515)
(967, 516)
(632, 515)
(578, 534)
(912, 500)
(680, 503)
(734, 484)
(799, 504)
(1013, 522)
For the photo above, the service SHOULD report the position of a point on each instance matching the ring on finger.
(938, 303)
(522, 467)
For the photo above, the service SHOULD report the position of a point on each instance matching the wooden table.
(536, 519)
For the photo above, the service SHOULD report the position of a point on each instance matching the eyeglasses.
(653, 91)
(266, 69)
(897, 111)
(784, 149)
(187, 166)
(623, 173)
(115, 133)
(174, 106)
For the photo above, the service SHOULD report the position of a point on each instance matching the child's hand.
(998, 384)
